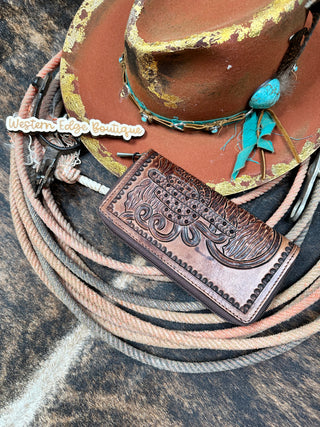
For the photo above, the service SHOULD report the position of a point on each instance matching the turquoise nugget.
(266, 96)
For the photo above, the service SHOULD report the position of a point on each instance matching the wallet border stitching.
(183, 265)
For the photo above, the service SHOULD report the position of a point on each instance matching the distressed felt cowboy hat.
(227, 90)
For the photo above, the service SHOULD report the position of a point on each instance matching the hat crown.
(204, 60)
(178, 20)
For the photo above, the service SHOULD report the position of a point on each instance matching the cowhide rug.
(53, 370)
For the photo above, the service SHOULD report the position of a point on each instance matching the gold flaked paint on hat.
(171, 73)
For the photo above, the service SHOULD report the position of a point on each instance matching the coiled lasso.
(53, 247)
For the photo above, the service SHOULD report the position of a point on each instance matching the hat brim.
(91, 83)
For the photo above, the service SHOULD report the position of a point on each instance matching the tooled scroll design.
(168, 204)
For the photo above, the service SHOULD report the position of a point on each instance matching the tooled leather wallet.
(218, 252)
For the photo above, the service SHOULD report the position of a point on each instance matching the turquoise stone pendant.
(266, 96)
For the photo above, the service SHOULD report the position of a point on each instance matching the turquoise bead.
(266, 96)
(214, 129)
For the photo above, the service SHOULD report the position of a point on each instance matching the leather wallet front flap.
(221, 254)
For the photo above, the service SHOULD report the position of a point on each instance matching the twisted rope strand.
(291, 196)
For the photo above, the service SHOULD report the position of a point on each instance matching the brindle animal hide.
(53, 370)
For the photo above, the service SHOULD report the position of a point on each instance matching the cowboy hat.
(196, 75)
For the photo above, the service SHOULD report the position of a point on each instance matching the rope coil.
(104, 308)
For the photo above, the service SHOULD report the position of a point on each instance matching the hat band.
(259, 120)
(212, 126)
(297, 43)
